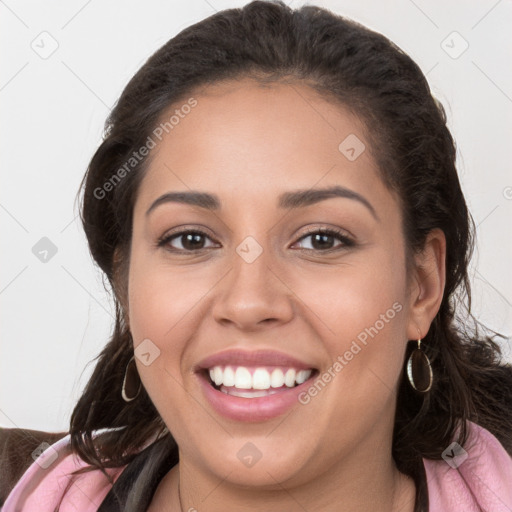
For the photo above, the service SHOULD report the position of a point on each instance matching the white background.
(56, 316)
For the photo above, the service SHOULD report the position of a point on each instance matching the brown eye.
(190, 241)
(323, 239)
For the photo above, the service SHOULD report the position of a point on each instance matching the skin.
(248, 144)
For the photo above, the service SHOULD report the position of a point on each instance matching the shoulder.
(49, 483)
(477, 476)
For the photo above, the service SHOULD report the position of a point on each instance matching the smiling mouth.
(254, 382)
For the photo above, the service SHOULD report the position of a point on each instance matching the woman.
(276, 206)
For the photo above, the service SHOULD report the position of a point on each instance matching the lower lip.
(252, 409)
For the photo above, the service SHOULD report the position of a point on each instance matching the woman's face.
(261, 280)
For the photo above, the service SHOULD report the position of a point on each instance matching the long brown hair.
(414, 149)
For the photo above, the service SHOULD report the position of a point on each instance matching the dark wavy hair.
(350, 65)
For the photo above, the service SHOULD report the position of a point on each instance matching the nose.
(253, 295)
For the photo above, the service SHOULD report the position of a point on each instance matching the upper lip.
(239, 357)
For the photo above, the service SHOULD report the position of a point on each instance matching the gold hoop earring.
(419, 370)
(131, 379)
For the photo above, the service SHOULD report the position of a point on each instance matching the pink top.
(481, 479)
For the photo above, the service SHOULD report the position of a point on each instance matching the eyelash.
(346, 241)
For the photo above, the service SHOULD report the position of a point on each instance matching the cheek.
(156, 305)
(348, 298)
(359, 313)
(166, 306)
(161, 305)
(161, 298)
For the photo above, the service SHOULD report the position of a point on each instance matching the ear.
(427, 284)
(120, 276)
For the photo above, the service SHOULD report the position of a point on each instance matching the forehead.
(244, 139)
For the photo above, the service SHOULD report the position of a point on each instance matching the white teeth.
(218, 375)
(243, 378)
(228, 378)
(302, 376)
(240, 377)
(248, 394)
(289, 378)
(261, 379)
(277, 378)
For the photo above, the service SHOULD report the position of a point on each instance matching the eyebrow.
(290, 200)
